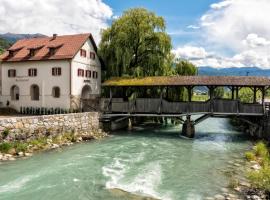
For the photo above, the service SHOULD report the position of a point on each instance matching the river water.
(152, 162)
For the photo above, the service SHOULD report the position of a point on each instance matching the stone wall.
(22, 128)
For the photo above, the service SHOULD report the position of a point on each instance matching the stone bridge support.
(188, 129)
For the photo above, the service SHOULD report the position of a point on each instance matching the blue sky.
(178, 14)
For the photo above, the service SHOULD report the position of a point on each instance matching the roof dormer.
(12, 51)
(53, 48)
(34, 49)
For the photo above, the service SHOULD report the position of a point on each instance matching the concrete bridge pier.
(188, 129)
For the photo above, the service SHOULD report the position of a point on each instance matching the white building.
(51, 72)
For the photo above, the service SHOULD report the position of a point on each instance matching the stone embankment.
(22, 136)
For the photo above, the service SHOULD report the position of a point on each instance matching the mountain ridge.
(233, 71)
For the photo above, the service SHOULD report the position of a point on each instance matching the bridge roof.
(189, 81)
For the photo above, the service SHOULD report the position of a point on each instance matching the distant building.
(51, 72)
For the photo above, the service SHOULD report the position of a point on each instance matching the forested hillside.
(4, 44)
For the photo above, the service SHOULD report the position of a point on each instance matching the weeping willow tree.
(135, 45)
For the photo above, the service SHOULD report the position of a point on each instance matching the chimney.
(54, 36)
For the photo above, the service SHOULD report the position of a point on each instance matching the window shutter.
(14, 72)
(60, 71)
(78, 72)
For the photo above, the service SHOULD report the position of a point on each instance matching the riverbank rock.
(20, 154)
(256, 167)
(219, 197)
(54, 146)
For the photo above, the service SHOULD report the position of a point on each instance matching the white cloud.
(190, 52)
(221, 4)
(234, 20)
(253, 41)
(54, 16)
(193, 27)
(240, 27)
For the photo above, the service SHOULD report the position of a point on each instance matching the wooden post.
(232, 92)
(189, 88)
(263, 95)
(237, 92)
(211, 92)
(161, 97)
(111, 94)
(254, 94)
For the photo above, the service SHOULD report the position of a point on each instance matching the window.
(12, 73)
(52, 51)
(32, 72)
(32, 52)
(56, 92)
(15, 93)
(83, 53)
(81, 72)
(95, 74)
(34, 92)
(88, 73)
(92, 55)
(56, 71)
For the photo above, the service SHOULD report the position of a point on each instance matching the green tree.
(4, 44)
(181, 68)
(219, 92)
(185, 68)
(135, 45)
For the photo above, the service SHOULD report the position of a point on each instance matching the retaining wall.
(21, 128)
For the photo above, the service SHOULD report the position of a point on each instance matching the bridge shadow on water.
(155, 130)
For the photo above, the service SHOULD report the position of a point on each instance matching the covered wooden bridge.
(119, 104)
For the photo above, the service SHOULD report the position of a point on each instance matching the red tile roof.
(66, 48)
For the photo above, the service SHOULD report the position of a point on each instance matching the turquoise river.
(149, 162)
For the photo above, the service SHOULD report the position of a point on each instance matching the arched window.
(56, 92)
(15, 93)
(34, 92)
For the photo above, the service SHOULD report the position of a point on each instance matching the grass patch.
(250, 156)
(20, 147)
(260, 179)
(5, 147)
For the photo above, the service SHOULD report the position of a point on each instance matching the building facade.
(51, 72)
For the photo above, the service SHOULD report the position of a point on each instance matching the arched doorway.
(86, 97)
(86, 92)
(15, 93)
(34, 92)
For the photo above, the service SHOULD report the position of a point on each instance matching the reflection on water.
(148, 162)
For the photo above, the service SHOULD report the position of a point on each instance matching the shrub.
(260, 179)
(250, 156)
(40, 142)
(261, 150)
(20, 147)
(5, 147)
(5, 133)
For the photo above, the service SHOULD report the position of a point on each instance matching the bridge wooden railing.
(161, 106)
